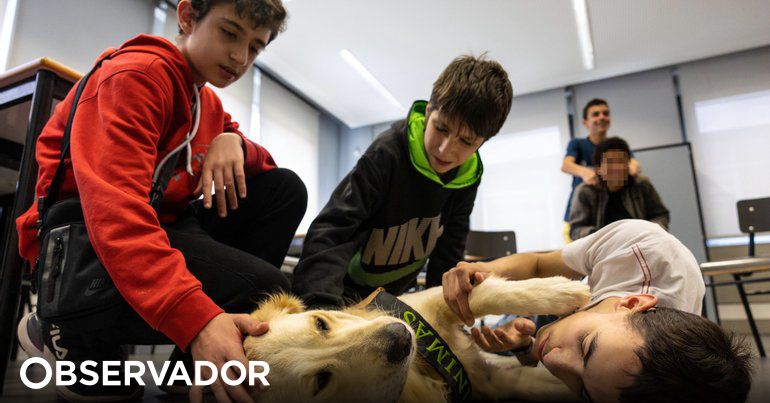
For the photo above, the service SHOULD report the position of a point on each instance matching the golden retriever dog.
(363, 354)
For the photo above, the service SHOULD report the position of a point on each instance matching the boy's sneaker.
(31, 339)
(41, 339)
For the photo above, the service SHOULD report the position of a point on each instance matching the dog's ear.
(276, 305)
(368, 300)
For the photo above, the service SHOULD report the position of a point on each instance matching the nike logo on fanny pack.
(97, 284)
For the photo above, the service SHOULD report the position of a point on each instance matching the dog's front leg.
(537, 296)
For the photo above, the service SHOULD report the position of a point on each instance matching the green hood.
(468, 174)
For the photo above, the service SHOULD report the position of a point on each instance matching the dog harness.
(430, 345)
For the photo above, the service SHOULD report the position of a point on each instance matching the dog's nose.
(399, 342)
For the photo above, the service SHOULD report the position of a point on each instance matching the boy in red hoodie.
(181, 269)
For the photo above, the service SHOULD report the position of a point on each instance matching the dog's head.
(323, 356)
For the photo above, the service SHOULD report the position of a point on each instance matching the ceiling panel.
(406, 44)
(639, 35)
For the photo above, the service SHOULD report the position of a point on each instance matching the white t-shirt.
(638, 257)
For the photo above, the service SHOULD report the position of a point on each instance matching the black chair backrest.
(754, 215)
(295, 247)
(490, 244)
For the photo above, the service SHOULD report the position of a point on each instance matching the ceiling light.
(584, 33)
(369, 77)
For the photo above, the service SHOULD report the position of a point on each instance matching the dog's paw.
(569, 296)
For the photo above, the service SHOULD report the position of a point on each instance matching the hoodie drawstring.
(190, 136)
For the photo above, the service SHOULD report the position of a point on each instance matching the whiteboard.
(670, 171)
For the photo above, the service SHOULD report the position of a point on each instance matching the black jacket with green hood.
(388, 217)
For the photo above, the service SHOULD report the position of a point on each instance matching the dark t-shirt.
(615, 210)
(583, 152)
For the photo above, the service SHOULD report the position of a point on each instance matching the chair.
(481, 245)
(295, 248)
(28, 94)
(753, 217)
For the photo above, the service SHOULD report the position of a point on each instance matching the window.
(722, 115)
(523, 188)
(726, 102)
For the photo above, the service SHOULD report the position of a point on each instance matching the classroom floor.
(15, 391)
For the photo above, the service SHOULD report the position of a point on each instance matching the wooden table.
(738, 268)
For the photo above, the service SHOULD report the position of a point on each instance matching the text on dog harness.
(430, 345)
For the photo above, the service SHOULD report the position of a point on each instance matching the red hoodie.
(134, 110)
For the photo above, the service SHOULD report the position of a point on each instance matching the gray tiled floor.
(15, 391)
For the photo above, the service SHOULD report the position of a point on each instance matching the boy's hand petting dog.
(224, 167)
(516, 334)
(220, 341)
(458, 283)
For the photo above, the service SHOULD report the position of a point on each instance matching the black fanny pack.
(72, 283)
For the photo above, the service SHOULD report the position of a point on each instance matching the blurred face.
(221, 46)
(614, 169)
(447, 142)
(598, 120)
(592, 351)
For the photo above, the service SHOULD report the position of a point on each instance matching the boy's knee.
(273, 281)
(291, 181)
(282, 282)
(291, 184)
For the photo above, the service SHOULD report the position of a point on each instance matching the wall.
(726, 104)
(643, 107)
(329, 131)
(76, 32)
(290, 132)
(523, 189)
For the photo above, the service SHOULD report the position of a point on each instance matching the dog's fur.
(347, 362)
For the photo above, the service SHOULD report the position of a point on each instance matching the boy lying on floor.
(640, 338)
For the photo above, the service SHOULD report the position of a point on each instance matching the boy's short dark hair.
(610, 144)
(476, 92)
(261, 13)
(593, 102)
(686, 358)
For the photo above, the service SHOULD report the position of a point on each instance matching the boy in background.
(190, 272)
(639, 339)
(580, 151)
(616, 196)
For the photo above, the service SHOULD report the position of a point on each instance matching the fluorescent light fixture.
(369, 77)
(584, 33)
(736, 241)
